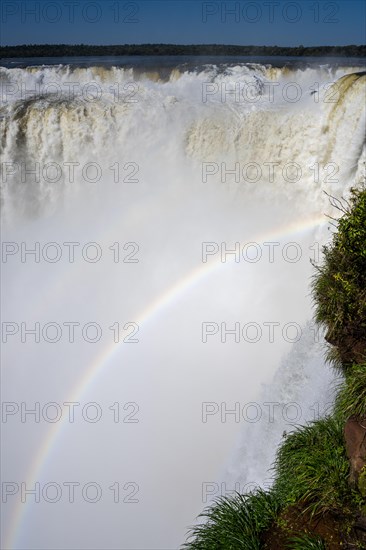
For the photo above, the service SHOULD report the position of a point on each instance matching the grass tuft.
(351, 398)
(235, 523)
(312, 467)
(305, 542)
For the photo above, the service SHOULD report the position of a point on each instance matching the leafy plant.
(351, 398)
(235, 523)
(312, 467)
(339, 287)
(306, 542)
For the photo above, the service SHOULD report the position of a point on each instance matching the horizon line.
(301, 46)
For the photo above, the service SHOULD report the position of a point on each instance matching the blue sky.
(260, 22)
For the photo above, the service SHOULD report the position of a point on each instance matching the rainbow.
(100, 364)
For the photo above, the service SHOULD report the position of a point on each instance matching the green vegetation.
(312, 484)
(362, 482)
(351, 398)
(65, 50)
(235, 523)
(339, 288)
(312, 467)
(304, 542)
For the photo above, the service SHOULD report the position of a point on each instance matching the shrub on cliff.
(339, 287)
(312, 467)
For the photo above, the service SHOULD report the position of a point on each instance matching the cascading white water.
(161, 162)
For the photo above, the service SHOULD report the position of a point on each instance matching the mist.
(170, 281)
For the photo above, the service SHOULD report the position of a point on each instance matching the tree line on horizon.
(66, 50)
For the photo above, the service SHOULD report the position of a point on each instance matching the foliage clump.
(339, 287)
(312, 467)
(235, 523)
(351, 398)
(362, 482)
(305, 542)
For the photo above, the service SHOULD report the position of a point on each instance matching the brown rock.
(331, 527)
(355, 436)
(351, 349)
